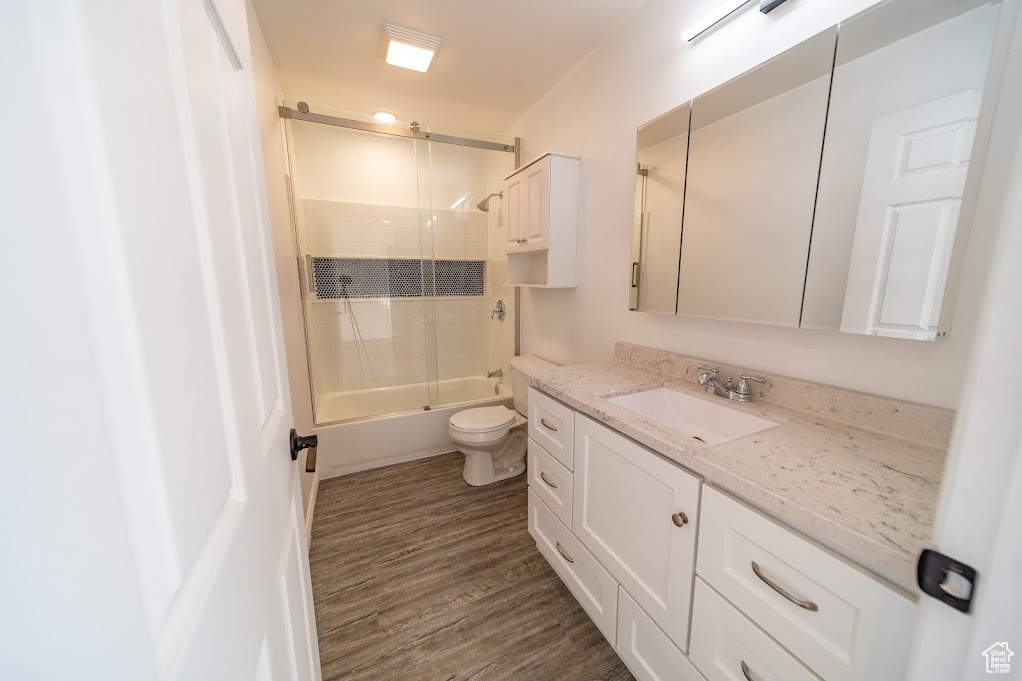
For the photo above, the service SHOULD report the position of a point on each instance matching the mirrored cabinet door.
(754, 155)
(661, 155)
(907, 92)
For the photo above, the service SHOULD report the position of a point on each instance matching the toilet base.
(486, 467)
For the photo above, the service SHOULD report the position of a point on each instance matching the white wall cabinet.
(638, 514)
(618, 523)
(541, 204)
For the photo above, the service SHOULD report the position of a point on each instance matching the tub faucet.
(496, 373)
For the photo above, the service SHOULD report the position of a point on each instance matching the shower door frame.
(304, 261)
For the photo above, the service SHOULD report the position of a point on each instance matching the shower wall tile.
(393, 347)
(362, 230)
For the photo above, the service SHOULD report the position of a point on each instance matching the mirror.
(661, 154)
(754, 158)
(907, 89)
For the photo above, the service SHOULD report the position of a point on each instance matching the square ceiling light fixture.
(407, 48)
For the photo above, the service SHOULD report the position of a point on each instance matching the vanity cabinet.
(588, 581)
(764, 602)
(541, 203)
(840, 621)
(638, 515)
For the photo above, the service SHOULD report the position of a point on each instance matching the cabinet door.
(515, 220)
(638, 514)
(536, 224)
(645, 649)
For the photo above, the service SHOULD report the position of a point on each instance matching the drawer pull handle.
(542, 476)
(563, 554)
(745, 670)
(680, 519)
(808, 605)
(547, 425)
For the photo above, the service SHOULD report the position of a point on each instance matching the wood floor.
(417, 575)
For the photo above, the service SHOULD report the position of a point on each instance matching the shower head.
(484, 205)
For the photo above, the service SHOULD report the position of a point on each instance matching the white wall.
(641, 71)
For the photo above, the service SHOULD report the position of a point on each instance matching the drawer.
(645, 648)
(849, 625)
(550, 481)
(552, 425)
(727, 646)
(593, 586)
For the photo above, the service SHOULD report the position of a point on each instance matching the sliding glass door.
(398, 267)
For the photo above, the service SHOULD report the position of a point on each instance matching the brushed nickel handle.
(808, 605)
(547, 425)
(680, 519)
(745, 670)
(542, 476)
(563, 554)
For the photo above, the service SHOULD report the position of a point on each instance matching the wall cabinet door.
(537, 179)
(515, 203)
(638, 515)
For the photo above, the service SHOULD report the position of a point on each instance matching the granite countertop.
(868, 496)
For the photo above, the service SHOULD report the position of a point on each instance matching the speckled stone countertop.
(866, 495)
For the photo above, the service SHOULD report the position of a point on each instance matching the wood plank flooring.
(417, 575)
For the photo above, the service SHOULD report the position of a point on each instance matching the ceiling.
(496, 59)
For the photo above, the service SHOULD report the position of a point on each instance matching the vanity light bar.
(708, 22)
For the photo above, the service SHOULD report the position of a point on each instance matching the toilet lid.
(482, 419)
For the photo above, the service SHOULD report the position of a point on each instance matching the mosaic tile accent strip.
(396, 278)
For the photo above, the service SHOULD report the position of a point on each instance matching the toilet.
(494, 439)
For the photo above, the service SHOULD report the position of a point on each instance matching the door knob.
(300, 442)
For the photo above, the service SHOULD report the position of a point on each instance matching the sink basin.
(701, 419)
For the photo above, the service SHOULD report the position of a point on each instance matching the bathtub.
(357, 404)
(351, 440)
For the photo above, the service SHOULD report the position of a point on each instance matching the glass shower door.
(361, 234)
(403, 264)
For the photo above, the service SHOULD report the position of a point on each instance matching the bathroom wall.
(644, 70)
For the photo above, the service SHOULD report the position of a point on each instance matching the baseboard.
(347, 469)
(310, 510)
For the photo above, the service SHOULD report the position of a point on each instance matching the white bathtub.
(351, 441)
(356, 404)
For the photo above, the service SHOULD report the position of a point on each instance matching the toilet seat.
(482, 420)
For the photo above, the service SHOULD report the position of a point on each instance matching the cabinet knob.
(680, 519)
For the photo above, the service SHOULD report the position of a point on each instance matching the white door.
(981, 494)
(638, 514)
(160, 532)
(908, 212)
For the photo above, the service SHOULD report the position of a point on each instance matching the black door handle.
(300, 442)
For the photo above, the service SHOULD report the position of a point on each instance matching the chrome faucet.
(496, 373)
(727, 389)
(500, 311)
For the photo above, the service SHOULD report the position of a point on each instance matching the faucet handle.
(743, 393)
(712, 370)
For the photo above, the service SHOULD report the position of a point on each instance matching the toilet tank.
(520, 367)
